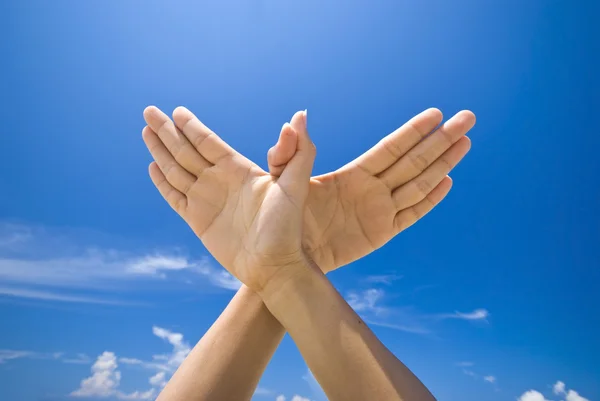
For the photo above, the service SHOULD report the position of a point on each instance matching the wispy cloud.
(367, 301)
(7, 355)
(468, 369)
(50, 296)
(477, 314)
(261, 391)
(130, 361)
(387, 279)
(82, 359)
(464, 364)
(30, 268)
(370, 305)
(180, 348)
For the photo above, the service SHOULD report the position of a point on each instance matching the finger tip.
(467, 141)
(468, 117)
(434, 112)
(179, 111)
(149, 111)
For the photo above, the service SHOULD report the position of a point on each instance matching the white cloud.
(137, 395)
(105, 378)
(296, 397)
(33, 261)
(181, 349)
(50, 296)
(98, 269)
(386, 279)
(130, 361)
(367, 304)
(490, 379)
(154, 264)
(572, 395)
(7, 355)
(469, 373)
(223, 279)
(532, 395)
(366, 301)
(158, 380)
(477, 314)
(559, 388)
(415, 329)
(263, 391)
(79, 359)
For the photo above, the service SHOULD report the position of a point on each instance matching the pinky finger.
(409, 216)
(174, 198)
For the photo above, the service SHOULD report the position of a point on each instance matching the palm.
(358, 208)
(349, 213)
(237, 201)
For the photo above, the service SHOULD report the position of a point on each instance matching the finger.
(206, 142)
(175, 142)
(296, 174)
(280, 154)
(174, 198)
(428, 150)
(176, 175)
(407, 217)
(395, 145)
(419, 187)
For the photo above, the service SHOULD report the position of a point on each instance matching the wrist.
(287, 278)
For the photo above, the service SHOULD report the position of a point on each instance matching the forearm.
(347, 359)
(229, 360)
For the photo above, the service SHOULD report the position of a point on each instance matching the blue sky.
(492, 296)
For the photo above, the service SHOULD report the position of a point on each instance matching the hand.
(250, 221)
(349, 212)
(358, 208)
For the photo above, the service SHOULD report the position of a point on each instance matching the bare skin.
(413, 193)
(349, 213)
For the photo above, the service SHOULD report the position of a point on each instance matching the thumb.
(281, 153)
(296, 175)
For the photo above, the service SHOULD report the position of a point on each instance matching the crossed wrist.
(287, 277)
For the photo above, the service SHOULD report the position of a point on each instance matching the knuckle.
(424, 186)
(392, 148)
(419, 162)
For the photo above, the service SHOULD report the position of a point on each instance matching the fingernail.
(305, 118)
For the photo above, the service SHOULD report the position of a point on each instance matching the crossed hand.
(259, 224)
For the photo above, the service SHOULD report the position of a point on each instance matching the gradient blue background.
(519, 235)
